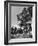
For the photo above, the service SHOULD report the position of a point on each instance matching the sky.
(14, 11)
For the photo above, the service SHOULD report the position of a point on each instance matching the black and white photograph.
(20, 22)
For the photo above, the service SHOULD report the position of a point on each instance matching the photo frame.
(20, 22)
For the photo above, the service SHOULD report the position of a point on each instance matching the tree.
(25, 16)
